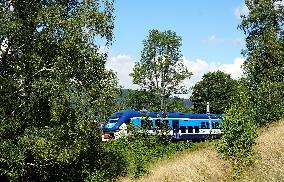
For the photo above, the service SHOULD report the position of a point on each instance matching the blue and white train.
(182, 126)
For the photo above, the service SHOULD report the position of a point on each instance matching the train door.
(175, 125)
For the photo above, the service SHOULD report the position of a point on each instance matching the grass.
(138, 152)
(199, 164)
(270, 163)
(202, 163)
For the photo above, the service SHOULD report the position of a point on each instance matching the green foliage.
(269, 103)
(177, 104)
(141, 149)
(239, 128)
(52, 80)
(140, 99)
(264, 65)
(265, 51)
(261, 100)
(161, 69)
(215, 88)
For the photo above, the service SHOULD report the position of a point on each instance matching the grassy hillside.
(199, 165)
(270, 148)
(205, 165)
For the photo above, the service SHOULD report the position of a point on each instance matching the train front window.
(115, 115)
(112, 120)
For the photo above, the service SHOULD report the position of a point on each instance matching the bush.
(239, 129)
(140, 149)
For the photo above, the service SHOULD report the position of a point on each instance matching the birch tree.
(161, 69)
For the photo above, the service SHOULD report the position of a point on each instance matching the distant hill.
(187, 103)
(124, 93)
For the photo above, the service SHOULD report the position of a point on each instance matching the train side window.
(190, 129)
(158, 123)
(144, 124)
(196, 129)
(203, 125)
(216, 125)
(175, 124)
(150, 124)
(182, 129)
(166, 123)
(207, 125)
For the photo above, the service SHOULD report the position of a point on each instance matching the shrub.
(239, 128)
(140, 149)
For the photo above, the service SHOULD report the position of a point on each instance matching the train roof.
(135, 113)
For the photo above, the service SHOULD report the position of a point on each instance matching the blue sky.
(208, 29)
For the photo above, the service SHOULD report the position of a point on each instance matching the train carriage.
(181, 126)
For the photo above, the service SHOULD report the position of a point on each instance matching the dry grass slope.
(200, 165)
(205, 165)
(270, 148)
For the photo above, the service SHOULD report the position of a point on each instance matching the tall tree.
(52, 79)
(161, 69)
(264, 52)
(264, 65)
(215, 88)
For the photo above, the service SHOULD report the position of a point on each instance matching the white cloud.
(4, 45)
(11, 8)
(123, 66)
(233, 69)
(213, 39)
(103, 49)
(238, 41)
(241, 10)
(280, 2)
(200, 67)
